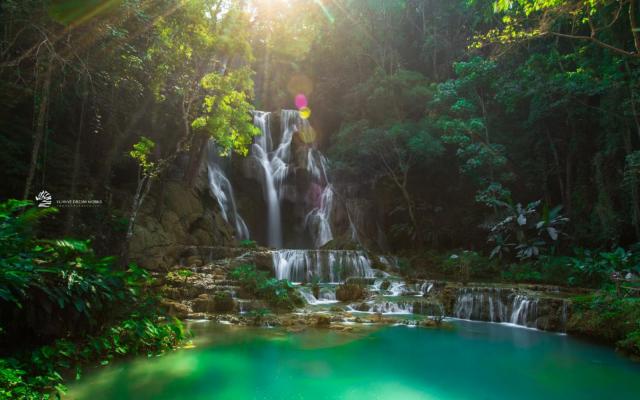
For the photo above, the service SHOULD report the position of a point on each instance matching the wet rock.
(359, 281)
(323, 321)
(385, 285)
(351, 292)
(194, 261)
(159, 238)
(204, 303)
(224, 302)
(176, 309)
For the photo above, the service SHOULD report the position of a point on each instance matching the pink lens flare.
(301, 101)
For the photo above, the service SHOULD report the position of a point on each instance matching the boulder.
(224, 302)
(176, 309)
(351, 292)
(323, 321)
(175, 216)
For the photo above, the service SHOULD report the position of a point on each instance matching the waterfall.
(276, 165)
(564, 314)
(318, 220)
(330, 266)
(354, 216)
(271, 166)
(222, 191)
(496, 305)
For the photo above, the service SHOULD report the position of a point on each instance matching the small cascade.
(307, 295)
(564, 315)
(328, 266)
(384, 307)
(496, 305)
(390, 262)
(426, 287)
(524, 310)
(222, 191)
(352, 216)
(326, 296)
(396, 289)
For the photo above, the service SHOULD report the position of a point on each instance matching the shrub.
(248, 244)
(279, 294)
(607, 317)
(525, 229)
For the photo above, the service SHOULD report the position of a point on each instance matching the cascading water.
(496, 305)
(325, 296)
(329, 266)
(271, 166)
(524, 311)
(318, 220)
(276, 167)
(384, 307)
(222, 191)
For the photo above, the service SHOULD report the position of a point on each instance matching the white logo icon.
(43, 199)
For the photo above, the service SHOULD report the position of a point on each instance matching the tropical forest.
(320, 199)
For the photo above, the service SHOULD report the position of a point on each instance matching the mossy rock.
(351, 292)
(224, 302)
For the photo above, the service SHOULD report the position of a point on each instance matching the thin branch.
(597, 42)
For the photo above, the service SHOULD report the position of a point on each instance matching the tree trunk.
(196, 154)
(76, 165)
(144, 185)
(40, 125)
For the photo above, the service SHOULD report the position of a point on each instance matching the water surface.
(473, 361)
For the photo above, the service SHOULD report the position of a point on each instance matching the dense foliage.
(62, 307)
(607, 316)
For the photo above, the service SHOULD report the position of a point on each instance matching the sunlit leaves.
(226, 111)
(141, 153)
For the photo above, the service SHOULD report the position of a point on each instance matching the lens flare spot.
(305, 112)
(300, 83)
(301, 101)
(307, 134)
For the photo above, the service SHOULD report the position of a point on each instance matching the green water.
(472, 361)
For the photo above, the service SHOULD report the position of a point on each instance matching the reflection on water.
(474, 361)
